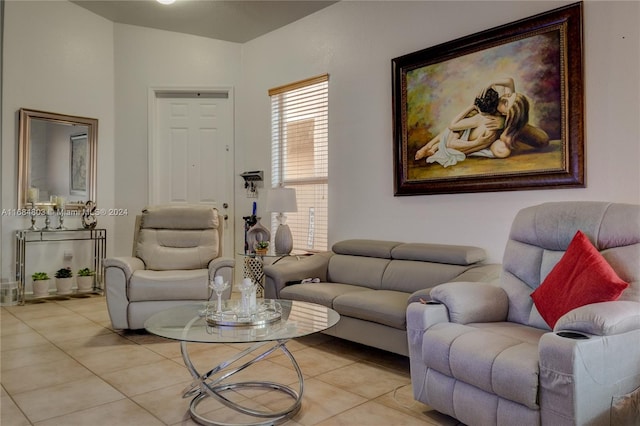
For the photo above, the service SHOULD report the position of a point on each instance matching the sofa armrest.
(128, 265)
(224, 267)
(277, 275)
(489, 273)
(469, 302)
(602, 319)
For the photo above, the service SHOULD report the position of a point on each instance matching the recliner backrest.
(541, 234)
(174, 237)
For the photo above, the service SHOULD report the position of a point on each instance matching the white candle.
(59, 202)
(32, 195)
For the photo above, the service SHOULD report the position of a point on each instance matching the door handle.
(225, 217)
(225, 205)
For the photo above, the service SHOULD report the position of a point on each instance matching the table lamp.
(281, 200)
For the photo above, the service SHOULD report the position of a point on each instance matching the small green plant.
(39, 276)
(86, 272)
(64, 273)
(262, 245)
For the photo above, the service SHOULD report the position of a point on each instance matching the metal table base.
(217, 381)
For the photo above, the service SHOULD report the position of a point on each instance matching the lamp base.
(283, 241)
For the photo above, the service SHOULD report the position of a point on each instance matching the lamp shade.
(282, 200)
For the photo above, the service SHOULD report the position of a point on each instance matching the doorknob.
(225, 205)
(225, 217)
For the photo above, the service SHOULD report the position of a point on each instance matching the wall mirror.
(57, 159)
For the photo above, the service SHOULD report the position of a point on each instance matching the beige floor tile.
(54, 401)
(209, 357)
(33, 311)
(27, 357)
(166, 404)
(146, 378)
(372, 414)
(10, 414)
(21, 340)
(322, 401)
(41, 375)
(124, 357)
(94, 344)
(83, 329)
(365, 379)
(9, 324)
(118, 413)
(315, 360)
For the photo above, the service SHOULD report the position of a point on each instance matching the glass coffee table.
(277, 322)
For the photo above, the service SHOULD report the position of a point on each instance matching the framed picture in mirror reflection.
(78, 178)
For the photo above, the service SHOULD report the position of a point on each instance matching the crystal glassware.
(219, 285)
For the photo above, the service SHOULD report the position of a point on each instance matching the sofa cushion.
(369, 248)
(581, 277)
(148, 285)
(506, 366)
(410, 276)
(439, 253)
(381, 306)
(357, 270)
(320, 293)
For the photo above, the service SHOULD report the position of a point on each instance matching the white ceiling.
(236, 20)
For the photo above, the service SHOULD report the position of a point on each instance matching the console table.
(98, 237)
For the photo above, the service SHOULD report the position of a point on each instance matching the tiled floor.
(62, 364)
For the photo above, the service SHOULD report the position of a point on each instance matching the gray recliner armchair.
(176, 252)
(484, 354)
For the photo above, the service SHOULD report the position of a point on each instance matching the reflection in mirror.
(57, 159)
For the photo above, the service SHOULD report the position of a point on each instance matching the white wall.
(355, 41)
(147, 58)
(57, 57)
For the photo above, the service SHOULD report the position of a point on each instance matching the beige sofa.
(370, 282)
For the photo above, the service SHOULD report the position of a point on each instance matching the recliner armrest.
(128, 265)
(469, 302)
(602, 319)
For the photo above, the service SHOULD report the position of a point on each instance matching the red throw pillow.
(581, 277)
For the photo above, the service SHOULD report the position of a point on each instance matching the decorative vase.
(63, 285)
(41, 288)
(255, 234)
(85, 283)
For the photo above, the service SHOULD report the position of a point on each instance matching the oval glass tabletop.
(187, 323)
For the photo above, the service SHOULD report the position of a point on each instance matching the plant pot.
(63, 285)
(261, 252)
(85, 283)
(41, 288)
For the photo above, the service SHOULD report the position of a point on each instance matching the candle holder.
(61, 219)
(32, 216)
(47, 221)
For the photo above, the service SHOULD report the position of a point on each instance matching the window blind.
(300, 145)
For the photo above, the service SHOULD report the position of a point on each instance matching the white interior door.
(192, 153)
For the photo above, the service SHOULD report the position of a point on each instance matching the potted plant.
(261, 247)
(40, 284)
(85, 279)
(64, 280)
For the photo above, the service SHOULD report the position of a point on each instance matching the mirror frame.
(24, 166)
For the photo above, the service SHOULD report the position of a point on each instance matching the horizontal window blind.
(300, 145)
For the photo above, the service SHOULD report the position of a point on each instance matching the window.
(299, 156)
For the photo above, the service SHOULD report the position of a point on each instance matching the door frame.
(152, 137)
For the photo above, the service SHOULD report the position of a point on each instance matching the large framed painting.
(494, 111)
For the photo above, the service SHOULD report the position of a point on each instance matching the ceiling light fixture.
(166, 1)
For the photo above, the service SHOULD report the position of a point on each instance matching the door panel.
(192, 155)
